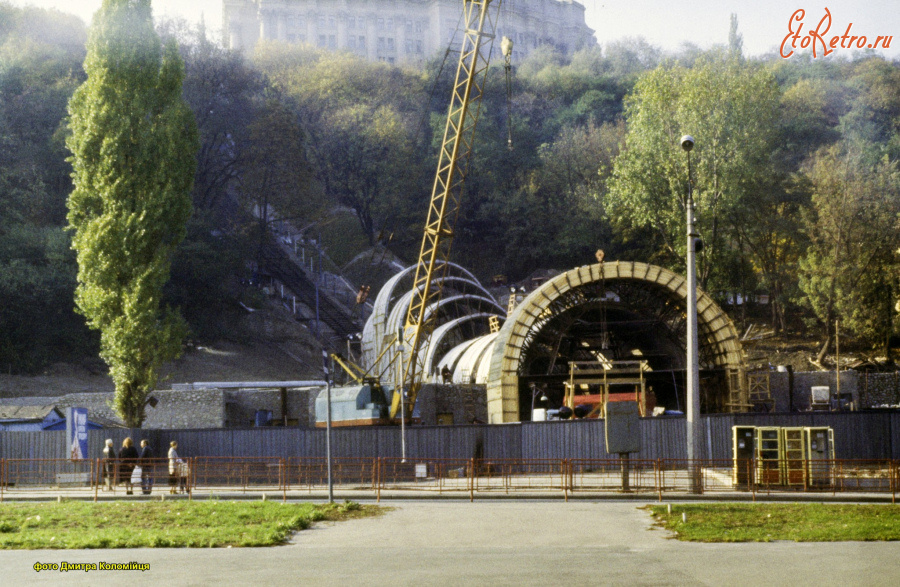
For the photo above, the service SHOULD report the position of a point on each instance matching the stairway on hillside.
(329, 297)
(334, 297)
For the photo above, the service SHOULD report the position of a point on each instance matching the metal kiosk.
(768, 456)
(743, 439)
(820, 451)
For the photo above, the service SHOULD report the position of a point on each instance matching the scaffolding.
(748, 391)
(606, 375)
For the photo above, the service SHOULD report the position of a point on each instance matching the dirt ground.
(267, 347)
(224, 361)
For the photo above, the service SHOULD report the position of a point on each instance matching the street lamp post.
(693, 360)
(402, 396)
(328, 369)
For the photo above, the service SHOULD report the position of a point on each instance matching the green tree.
(365, 160)
(631, 56)
(850, 268)
(133, 147)
(359, 119)
(278, 183)
(40, 66)
(38, 325)
(735, 39)
(874, 114)
(730, 108)
(225, 94)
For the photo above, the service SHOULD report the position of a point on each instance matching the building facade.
(400, 31)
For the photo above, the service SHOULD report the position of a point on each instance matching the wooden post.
(471, 480)
(837, 362)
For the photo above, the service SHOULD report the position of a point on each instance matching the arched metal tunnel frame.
(720, 347)
(468, 296)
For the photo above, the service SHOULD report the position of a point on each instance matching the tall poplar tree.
(133, 143)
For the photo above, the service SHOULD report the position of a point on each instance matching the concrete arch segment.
(717, 333)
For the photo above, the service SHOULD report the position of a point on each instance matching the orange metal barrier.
(91, 478)
(140, 477)
(697, 476)
(511, 475)
(235, 473)
(858, 475)
(51, 477)
(601, 475)
(312, 473)
(429, 475)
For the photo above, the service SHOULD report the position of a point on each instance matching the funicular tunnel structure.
(619, 311)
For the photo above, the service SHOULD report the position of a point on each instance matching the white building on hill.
(400, 31)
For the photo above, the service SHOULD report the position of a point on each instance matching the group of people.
(129, 466)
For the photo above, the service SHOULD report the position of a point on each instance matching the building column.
(341, 23)
(234, 37)
(280, 26)
(402, 55)
(371, 40)
(265, 25)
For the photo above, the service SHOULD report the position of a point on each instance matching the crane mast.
(456, 150)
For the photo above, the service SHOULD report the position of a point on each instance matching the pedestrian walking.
(146, 463)
(128, 458)
(109, 465)
(177, 470)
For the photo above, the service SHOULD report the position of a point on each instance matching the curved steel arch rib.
(719, 344)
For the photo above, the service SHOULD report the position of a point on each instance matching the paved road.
(484, 543)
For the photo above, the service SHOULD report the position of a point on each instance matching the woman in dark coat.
(128, 458)
(146, 462)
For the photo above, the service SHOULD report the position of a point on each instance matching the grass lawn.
(123, 524)
(764, 522)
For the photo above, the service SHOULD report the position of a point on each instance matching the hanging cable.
(506, 47)
(427, 109)
(437, 79)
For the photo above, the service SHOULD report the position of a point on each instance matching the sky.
(664, 23)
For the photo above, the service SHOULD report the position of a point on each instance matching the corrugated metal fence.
(858, 435)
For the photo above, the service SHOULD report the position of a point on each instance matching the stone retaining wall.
(204, 408)
(233, 408)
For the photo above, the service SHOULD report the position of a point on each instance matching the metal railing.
(442, 476)
(311, 473)
(374, 476)
(242, 474)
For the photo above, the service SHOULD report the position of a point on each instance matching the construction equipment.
(456, 149)
(361, 403)
(355, 372)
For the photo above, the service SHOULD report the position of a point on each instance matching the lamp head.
(687, 143)
(506, 46)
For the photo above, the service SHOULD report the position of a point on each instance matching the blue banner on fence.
(76, 433)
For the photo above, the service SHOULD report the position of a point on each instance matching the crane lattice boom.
(456, 150)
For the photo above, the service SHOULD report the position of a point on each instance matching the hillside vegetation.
(794, 170)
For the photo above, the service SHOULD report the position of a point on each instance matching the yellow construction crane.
(456, 149)
(355, 372)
